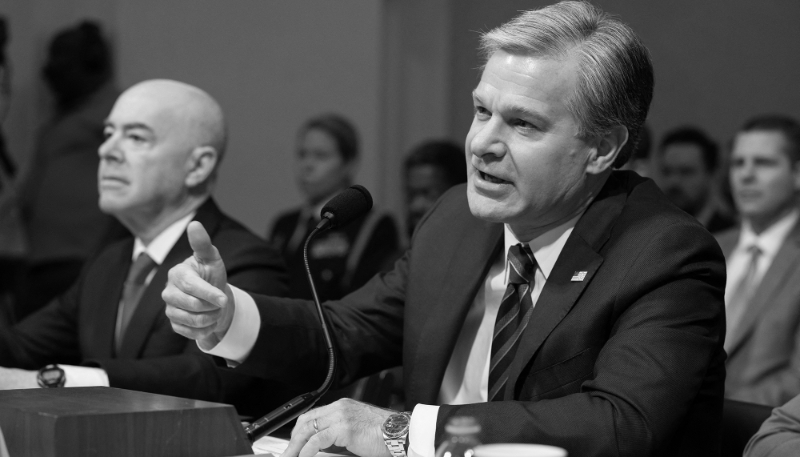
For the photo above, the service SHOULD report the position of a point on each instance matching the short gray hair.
(615, 80)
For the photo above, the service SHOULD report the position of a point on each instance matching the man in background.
(689, 161)
(164, 141)
(431, 168)
(762, 297)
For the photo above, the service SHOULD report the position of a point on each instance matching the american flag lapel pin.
(578, 276)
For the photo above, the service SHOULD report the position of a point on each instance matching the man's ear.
(606, 150)
(202, 162)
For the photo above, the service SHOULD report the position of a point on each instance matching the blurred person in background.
(762, 297)
(689, 161)
(344, 258)
(431, 168)
(57, 189)
(640, 160)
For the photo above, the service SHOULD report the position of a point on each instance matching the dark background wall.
(402, 69)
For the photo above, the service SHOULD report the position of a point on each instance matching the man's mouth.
(492, 179)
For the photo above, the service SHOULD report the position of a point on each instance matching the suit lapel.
(151, 305)
(560, 293)
(782, 268)
(478, 243)
(109, 292)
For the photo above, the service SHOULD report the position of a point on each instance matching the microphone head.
(347, 205)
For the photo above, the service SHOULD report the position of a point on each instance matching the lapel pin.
(578, 276)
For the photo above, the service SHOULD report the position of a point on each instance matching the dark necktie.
(131, 293)
(512, 317)
(740, 299)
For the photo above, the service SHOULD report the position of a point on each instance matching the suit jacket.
(78, 327)
(764, 360)
(627, 362)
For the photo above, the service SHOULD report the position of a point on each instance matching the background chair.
(740, 421)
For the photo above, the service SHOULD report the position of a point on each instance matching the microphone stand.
(278, 417)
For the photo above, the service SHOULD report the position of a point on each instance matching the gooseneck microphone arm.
(348, 205)
(278, 417)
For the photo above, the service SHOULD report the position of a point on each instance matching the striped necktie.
(135, 284)
(512, 317)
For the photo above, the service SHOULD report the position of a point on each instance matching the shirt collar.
(164, 241)
(770, 240)
(546, 247)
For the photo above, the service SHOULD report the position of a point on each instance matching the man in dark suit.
(689, 163)
(763, 263)
(164, 140)
(552, 299)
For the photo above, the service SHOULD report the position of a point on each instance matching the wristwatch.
(395, 433)
(51, 376)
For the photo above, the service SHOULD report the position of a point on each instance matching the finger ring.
(316, 429)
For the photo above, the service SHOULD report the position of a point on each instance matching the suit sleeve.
(367, 327)
(49, 335)
(382, 246)
(662, 356)
(779, 436)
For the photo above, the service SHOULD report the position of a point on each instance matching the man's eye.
(522, 124)
(482, 113)
(107, 132)
(136, 138)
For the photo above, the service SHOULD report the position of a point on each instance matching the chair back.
(740, 421)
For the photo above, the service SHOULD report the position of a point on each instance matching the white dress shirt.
(77, 376)
(466, 378)
(769, 242)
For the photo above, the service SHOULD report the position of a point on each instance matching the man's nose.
(109, 150)
(488, 139)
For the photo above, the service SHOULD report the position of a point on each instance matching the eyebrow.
(521, 111)
(131, 126)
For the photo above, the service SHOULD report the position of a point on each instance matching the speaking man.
(763, 262)
(164, 141)
(550, 298)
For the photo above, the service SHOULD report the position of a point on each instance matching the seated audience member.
(689, 162)
(158, 165)
(344, 258)
(56, 190)
(779, 435)
(762, 297)
(640, 160)
(553, 299)
(432, 168)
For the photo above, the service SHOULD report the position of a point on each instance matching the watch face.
(396, 425)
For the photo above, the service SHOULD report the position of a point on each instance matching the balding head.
(164, 140)
(184, 106)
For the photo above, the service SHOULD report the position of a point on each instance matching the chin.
(485, 208)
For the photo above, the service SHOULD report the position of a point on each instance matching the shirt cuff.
(422, 431)
(84, 376)
(241, 336)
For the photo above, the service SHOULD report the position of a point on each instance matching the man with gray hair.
(552, 299)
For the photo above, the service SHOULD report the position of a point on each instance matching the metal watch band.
(396, 446)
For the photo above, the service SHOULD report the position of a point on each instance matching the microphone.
(345, 207)
(342, 209)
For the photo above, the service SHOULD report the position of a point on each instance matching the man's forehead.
(759, 141)
(143, 108)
